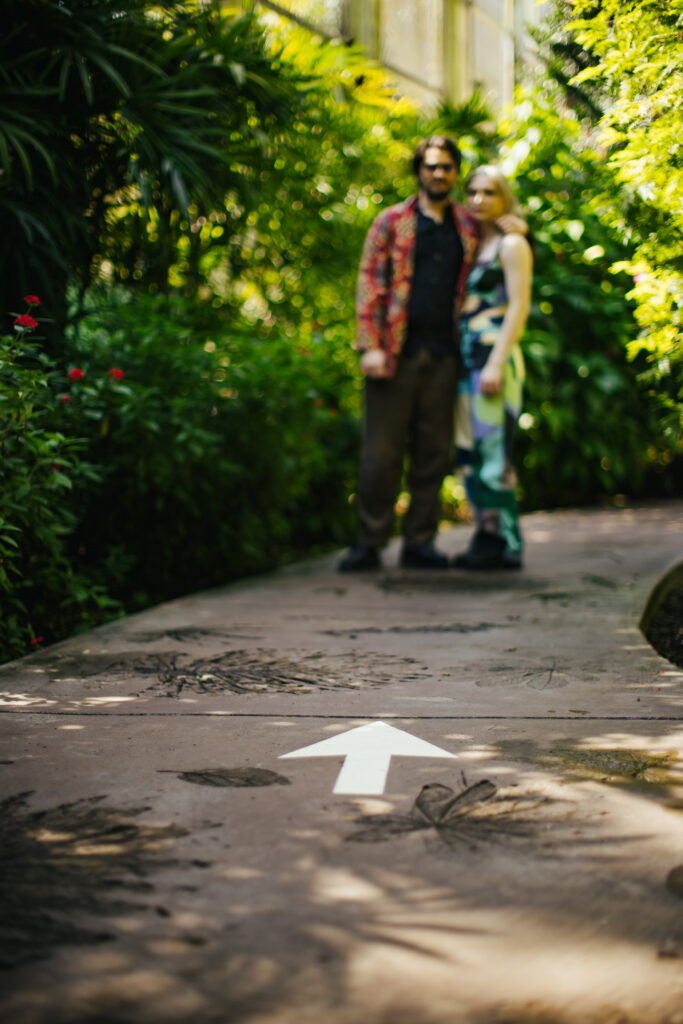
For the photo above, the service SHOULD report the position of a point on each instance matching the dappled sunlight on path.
(170, 857)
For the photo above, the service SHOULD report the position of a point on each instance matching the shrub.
(221, 452)
(41, 595)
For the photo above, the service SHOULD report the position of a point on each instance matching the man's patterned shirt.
(386, 275)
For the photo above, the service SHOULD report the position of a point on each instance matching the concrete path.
(163, 861)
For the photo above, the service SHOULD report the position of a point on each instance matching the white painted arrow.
(367, 751)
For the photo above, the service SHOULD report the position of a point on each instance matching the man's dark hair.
(436, 142)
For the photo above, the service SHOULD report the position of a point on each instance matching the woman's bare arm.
(515, 259)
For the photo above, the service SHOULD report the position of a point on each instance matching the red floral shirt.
(386, 276)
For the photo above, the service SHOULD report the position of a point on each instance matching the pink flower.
(65, 398)
(32, 300)
(115, 373)
(75, 374)
(26, 321)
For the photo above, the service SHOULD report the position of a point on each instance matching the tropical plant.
(123, 110)
(627, 55)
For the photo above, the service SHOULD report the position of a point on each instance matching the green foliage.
(564, 58)
(283, 248)
(40, 592)
(632, 58)
(222, 451)
(175, 450)
(591, 429)
(122, 109)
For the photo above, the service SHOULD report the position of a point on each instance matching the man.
(415, 263)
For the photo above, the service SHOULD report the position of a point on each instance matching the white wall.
(446, 48)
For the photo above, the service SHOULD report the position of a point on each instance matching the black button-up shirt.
(438, 262)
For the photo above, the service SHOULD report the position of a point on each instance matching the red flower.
(75, 374)
(32, 300)
(36, 640)
(65, 398)
(26, 321)
(115, 373)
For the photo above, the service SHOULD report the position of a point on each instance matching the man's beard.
(436, 192)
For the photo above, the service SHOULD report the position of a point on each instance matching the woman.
(493, 316)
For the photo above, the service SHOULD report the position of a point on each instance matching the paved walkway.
(162, 860)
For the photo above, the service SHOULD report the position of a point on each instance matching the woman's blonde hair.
(495, 176)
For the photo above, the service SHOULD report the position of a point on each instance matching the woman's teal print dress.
(485, 426)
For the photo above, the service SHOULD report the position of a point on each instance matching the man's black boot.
(359, 559)
(422, 556)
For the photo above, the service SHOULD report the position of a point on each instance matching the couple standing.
(443, 296)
